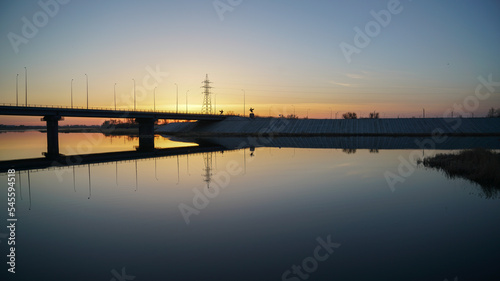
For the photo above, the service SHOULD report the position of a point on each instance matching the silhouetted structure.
(145, 119)
(206, 108)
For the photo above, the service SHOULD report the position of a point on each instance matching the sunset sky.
(286, 55)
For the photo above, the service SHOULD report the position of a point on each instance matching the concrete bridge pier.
(146, 134)
(52, 135)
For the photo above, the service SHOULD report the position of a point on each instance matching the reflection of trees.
(477, 165)
(349, 150)
(373, 150)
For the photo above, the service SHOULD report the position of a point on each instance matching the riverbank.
(480, 166)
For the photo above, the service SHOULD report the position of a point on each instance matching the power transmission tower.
(206, 108)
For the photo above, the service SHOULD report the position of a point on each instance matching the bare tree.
(493, 113)
(350, 115)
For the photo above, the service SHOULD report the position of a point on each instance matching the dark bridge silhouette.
(96, 158)
(145, 119)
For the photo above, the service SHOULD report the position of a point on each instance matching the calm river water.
(268, 214)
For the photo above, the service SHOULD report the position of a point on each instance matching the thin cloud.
(354, 76)
(341, 84)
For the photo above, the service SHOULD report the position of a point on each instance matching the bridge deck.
(32, 110)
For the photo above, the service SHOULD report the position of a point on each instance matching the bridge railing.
(103, 108)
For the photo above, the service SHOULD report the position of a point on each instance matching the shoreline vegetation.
(111, 127)
(480, 166)
(73, 129)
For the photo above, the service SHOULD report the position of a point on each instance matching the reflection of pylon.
(207, 177)
(206, 108)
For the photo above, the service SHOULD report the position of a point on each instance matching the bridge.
(145, 119)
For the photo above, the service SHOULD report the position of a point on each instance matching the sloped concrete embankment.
(240, 126)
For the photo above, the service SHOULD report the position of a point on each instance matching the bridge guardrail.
(103, 108)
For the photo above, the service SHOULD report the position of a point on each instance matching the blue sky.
(282, 53)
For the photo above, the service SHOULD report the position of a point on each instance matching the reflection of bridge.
(352, 142)
(146, 120)
(96, 158)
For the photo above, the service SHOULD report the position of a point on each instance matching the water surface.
(267, 210)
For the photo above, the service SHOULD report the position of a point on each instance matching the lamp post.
(215, 103)
(244, 97)
(331, 113)
(72, 93)
(336, 114)
(293, 111)
(26, 85)
(177, 98)
(134, 93)
(87, 77)
(154, 99)
(17, 99)
(308, 113)
(187, 101)
(114, 93)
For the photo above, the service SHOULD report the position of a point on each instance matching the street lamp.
(187, 101)
(26, 85)
(87, 77)
(17, 99)
(72, 93)
(154, 99)
(114, 92)
(177, 98)
(244, 97)
(134, 93)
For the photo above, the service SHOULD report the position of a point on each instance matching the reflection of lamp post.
(177, 98)
(134, 93)
(114, 91)
(72, 93)
(244, 97)
(187, 101)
